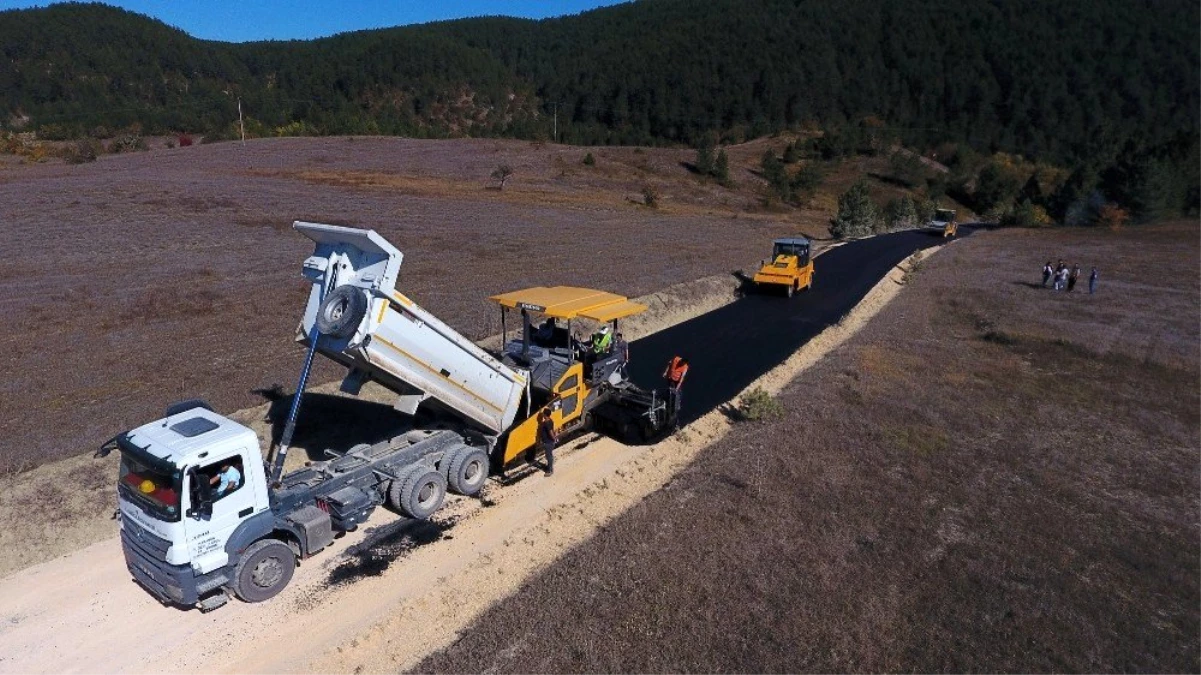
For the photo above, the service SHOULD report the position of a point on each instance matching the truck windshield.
(150, 488)
(944, 215)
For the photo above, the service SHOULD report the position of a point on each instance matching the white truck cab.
(177, 514)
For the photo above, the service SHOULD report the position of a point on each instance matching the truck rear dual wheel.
(264, 570)
(419, 493)
(341, 311)
(467, 470)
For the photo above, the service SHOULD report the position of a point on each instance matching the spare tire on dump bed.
(341, 311)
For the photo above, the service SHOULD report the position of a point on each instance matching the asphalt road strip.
(730, 347)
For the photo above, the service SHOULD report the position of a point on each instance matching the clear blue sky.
(245, 20)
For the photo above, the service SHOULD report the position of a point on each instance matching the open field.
(146, 278)
(989, 477)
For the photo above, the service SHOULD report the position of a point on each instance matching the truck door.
(232, 502)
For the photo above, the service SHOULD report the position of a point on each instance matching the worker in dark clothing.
(1047, 272)
(675, 373)
(1073, 277)
(547, 437)
(1092, 281)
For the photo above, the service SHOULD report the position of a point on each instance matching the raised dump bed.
(369, 326)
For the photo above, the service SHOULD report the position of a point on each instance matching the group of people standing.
(1063, 278)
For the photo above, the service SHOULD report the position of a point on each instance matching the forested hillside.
(1096, 83)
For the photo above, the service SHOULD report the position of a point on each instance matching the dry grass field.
(989, 477)
(151, 277)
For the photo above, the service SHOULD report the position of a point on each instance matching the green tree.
(704, 159)
(778, 184)
(857, 213)
(996, 188)
(807, 180)
(721, 169)
(791, 153)
(900, 213)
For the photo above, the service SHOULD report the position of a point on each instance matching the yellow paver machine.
(582, 382)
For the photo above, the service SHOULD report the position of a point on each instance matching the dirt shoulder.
(989, 476)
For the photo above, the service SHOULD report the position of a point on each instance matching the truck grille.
(144, 539)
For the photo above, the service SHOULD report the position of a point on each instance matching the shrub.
(127, 143)
(757, 405)
(184, 140)
(778, 184)
(84, 150)
(906, 167)
(502, 174)
(1027, 214)
(900, 213)
(721, 169)
(704, 159)
(1112, 216)
(791, 153)
(857, 213)
(589, 160)
(650, 196)
(807, 181)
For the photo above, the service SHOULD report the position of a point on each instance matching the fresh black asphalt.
(730, 347)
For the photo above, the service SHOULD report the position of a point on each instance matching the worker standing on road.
(1073, 278)
(1047, 272)
(1092, 281)
(547, 437)
(675, 373)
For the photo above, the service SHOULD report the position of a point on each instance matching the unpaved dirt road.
(381, 598)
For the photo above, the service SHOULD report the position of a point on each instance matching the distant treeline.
(1108, 87)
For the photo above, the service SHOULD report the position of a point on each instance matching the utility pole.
(556, 122)
(241, 125)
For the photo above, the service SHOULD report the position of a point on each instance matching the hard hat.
(604, 330)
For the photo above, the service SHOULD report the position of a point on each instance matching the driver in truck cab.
(227, 479)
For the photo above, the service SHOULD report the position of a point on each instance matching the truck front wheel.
(264, 570)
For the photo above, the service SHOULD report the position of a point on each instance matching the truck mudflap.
(175, 584)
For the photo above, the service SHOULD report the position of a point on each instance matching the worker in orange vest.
(675, 373)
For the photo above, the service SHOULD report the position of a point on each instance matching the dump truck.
(790, 267)
(205, 517)
(944, 222)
